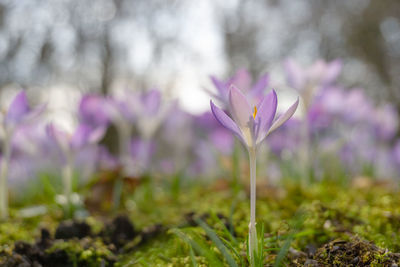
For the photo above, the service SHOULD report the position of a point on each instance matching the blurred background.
(67, 47)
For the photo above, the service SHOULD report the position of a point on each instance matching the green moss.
(84, 252)
(312, 215)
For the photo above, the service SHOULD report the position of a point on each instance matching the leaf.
(218, 243)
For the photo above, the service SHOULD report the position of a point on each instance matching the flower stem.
(3, 178)
(253, 244)
(67, 181)
(305, 149)
(124, 135)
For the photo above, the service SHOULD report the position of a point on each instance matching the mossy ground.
(299, 222)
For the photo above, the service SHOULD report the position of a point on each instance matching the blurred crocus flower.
(70, 144)
(150, 112)
(18, 114)
(252, 124)
(307, 81)
(141, 156)
(142, 110)
(242, 80)
(396, 154)
(92, 110)
(386, 122)
(320, 73)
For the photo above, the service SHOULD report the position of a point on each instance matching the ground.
(325, 223)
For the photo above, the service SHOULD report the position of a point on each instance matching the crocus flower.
(308, 81)
(70, 144)
(242, 80)
(251, 124)
(19, 113)
(320, 73)
(92, 112)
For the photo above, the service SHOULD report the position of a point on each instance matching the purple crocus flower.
(92, 110)
(320, 73)
(309, 81)
(141, 152)
(252, 124)
(83, 135)
(70, 144)
(18, 114)
(242, 80)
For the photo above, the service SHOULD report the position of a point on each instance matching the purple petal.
(241, 79)
(35, 113)
(18, 109)
(81, 136)
(226, 121)
(265, 115)
(258, 89)
(240, 108)
(151, 101)
(284, 117)
(59, 137)
(221, 87)
(295, 75)
(96, 134)
(332, 72)
(91, 110)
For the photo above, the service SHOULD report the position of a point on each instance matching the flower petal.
(284, 117)
(81, 136)
(265, 115)
(332, 72)
(257, 91)
(18, 109)
(221, 87)
(240, 108)
(241, 79)
(60, 138)
(151, 102)
(226, 121)
(295, 75)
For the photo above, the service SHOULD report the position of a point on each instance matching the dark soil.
(54, 251)
(72, 229)
(355, 252)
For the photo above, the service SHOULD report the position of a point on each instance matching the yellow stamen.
(255, 112)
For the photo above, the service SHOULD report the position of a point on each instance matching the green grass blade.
(200, 247)
(218, 243)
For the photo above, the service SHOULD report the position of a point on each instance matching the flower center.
(255, 112)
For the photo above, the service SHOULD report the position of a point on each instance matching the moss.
(311, 216)
(84, 252)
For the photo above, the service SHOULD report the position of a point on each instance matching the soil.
(355, 252)
(74, 244)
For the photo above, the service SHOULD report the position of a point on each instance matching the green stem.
(235, 168)
(124, 135)
(305, 150)
(253, 247)
(67, 181)
(3, 178)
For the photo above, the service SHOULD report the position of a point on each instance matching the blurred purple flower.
(142, 152)
(20, 113)
(396, 153)
(252, 124)
(386, 122)
(92, 110)
(319, 74)
(69, 143)
(222, 140)
(242, 80)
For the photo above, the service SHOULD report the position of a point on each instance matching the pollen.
(255, 112)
